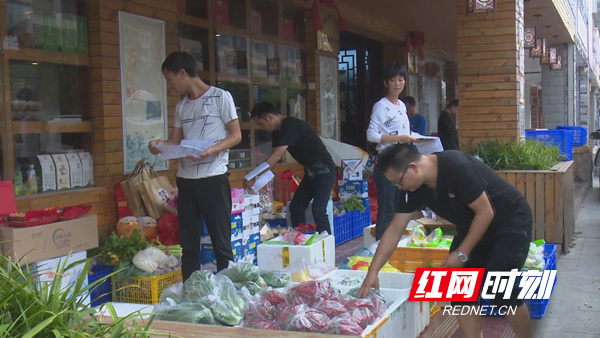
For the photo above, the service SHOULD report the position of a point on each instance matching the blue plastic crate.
(550, 251)
(102, 293)
(560, 138)
(579, 134)
(537, 307)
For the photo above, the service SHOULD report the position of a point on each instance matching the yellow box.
(144, 290)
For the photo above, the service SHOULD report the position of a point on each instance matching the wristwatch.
(463, 257)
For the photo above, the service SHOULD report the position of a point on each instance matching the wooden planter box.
(550, 196)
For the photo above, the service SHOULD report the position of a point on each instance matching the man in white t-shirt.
(205, 113)
(389, 125)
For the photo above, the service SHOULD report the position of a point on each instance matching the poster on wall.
(329, 97)
(143, 88)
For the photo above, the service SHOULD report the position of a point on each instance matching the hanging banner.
(529, 37)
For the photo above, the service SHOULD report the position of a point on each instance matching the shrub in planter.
(523, 155)
(31, 309)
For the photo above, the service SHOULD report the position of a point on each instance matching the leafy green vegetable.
(241, 272)
(352, 204)
(185, 313)
(114, 249)
(277, 279)
(198, 285)
(252, 287)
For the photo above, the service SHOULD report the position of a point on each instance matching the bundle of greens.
(352, 204)
(114, 249)
(277, 279)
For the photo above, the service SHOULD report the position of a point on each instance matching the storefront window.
(229, 12)
(194, 40)
(259, 56)
(241, 97)
(265, 17)
(239, 156)
(232, 58)
(195, 8)
(294, 25)
(48, 106)
(266, 64)
(294, 95)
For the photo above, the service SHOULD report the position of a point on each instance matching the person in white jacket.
(389, 125)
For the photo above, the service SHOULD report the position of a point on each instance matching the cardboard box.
(248, 220)
(76, 172)
(48, 172)
(273, 257)
(253, 242)
(47, 269)
(237, 248)
(237, 200)
(87, 165)
(63, 180)
(208, 259)
(352, 170)
(251, 200)
(30, 245)
(237, 228)
(347, 189)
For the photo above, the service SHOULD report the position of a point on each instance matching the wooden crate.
(550, 196)
(407, 259)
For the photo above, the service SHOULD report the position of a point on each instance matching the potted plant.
(537, 171)
(29, 308)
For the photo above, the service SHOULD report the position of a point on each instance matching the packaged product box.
(87, 165)
(63, 180)
(76, 172)
(48, 172)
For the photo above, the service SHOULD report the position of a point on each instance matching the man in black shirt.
(447, 127)
(305, 145)
(492, 218)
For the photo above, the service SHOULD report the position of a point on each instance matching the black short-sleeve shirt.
(304, 144)
(461, 180)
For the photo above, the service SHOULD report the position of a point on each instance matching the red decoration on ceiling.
(417, 41)
(344, 26)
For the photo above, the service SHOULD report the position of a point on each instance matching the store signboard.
(329, 96)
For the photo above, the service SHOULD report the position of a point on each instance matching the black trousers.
(208, 198)
(319, 189)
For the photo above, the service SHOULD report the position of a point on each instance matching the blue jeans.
(319, 189)
(387, 198)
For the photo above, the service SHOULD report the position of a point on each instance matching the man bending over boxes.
(305, 145)
(492, 218)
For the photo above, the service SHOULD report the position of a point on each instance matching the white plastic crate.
(274, 257)
(416, 317)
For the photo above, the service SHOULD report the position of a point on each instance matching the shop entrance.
(361, 85)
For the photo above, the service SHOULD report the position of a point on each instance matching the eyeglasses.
(399, 182)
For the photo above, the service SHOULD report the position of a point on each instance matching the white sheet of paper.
(262, 180)
(198, 144)
(430, 146)
(170, 152)
(259, 169)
